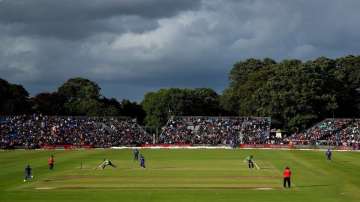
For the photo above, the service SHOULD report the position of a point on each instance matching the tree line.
(76, 97)
(295, 94)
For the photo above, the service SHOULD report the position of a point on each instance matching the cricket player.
(250, 160)
(136, 154)
(142, 161)
(28, 175)
(287, 176)
(328, 154)
(105, 163)
(51, 162)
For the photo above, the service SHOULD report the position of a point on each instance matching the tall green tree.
(160, 105)
(133, 110)
(347, 70)
(79, 88)
(293, 93)
(14, 99)
(83, 98)
(49, 104)
(238, 76)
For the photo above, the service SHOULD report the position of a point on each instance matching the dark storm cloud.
(24, 11)
(132, 46)
(80, 18)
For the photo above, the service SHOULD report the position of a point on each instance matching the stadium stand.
(216, 130)
(334, 132)
(40, 131)
(35, 131)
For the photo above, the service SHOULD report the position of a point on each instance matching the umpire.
(287, 176)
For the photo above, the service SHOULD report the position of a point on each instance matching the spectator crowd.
(216, 130)
(35, 131)
(333, 132)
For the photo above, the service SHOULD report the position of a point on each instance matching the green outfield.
(180, 175)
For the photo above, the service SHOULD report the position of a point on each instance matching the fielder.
(142, 161)
(28, 175)
(328, 154)
(51, 162)
(105, 163)
(136, 154)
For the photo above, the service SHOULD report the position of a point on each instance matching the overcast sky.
(130, 47)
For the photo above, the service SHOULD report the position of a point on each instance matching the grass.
(180, 175)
